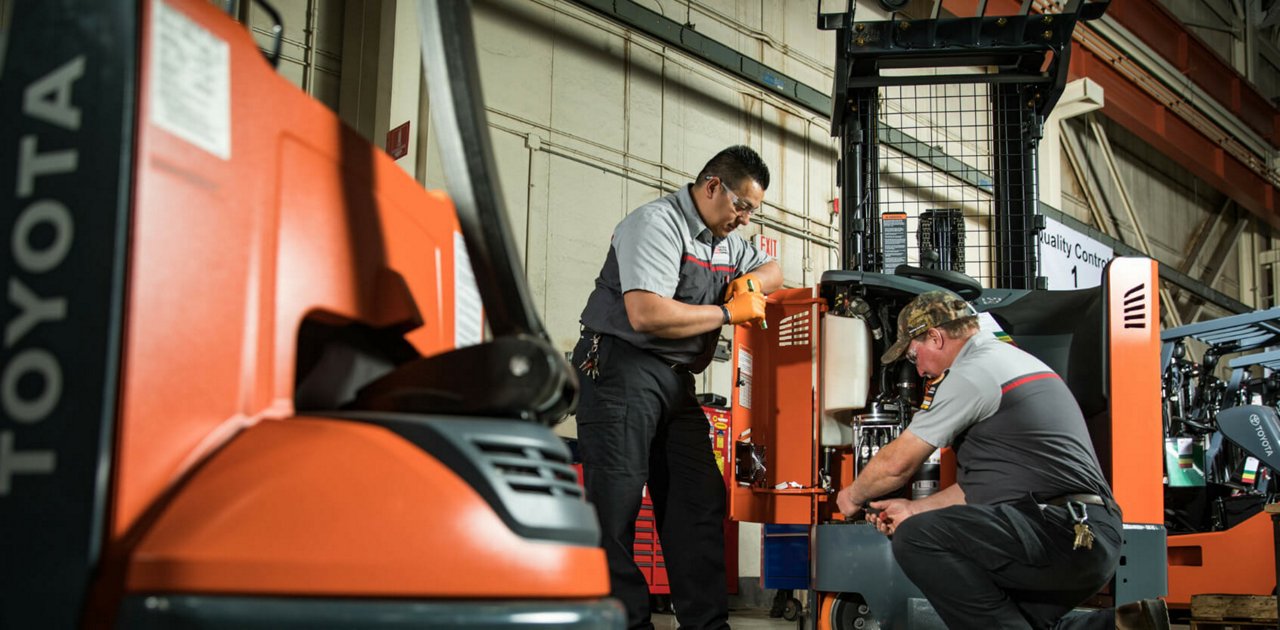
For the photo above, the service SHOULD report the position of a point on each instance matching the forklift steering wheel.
(962, 285)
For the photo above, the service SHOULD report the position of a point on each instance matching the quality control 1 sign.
(1069, 259)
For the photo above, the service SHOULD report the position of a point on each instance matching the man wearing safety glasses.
(674, 275)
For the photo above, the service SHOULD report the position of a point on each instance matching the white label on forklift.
(190, 81)
(468, 310)
(988, 324)
(744, 378)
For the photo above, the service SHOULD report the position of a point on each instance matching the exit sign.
(398, 141)
(766, 244)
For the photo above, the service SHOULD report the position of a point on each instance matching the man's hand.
(890, 513)
(748, 283)
(746, 307)
(844, 501)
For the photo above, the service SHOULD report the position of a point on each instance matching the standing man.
(1000, 548)
(675, 274)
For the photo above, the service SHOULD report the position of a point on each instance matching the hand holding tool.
(745, 307)
(752, 287)
(744, 284)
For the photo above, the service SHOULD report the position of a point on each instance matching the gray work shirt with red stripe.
(1015, 426)
(665, 248)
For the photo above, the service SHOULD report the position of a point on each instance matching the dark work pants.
(1008, 565)
(639, 422)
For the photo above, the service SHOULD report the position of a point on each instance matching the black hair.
(735, 164)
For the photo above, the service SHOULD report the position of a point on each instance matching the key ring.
(1080, 516)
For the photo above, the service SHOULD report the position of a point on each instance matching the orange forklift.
(244, 380)
(1220, 438)
(811, 404)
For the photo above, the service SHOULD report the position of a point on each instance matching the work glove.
(747, 283)
(745, 307)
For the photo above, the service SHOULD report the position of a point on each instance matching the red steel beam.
(1150, 120)
(1166, 35)
(1161, 31)
(1156, 123)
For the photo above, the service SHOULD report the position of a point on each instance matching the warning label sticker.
(190, 81)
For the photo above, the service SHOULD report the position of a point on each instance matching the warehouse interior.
(1162, 144)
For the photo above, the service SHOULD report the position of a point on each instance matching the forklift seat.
(1066, 330)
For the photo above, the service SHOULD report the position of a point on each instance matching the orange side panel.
(1240, 560)
(777, 378)
(326, 507)
(1136, 464)
(229, 255)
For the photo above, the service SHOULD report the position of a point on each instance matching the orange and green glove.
(747, 283)
(745, 307)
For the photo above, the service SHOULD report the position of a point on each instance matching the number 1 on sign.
(1075, 280)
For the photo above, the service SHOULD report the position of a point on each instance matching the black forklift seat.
(1066, 330)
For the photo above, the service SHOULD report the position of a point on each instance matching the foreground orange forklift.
(244, 383)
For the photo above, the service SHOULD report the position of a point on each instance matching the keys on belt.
(1084, 535)
(591, 364)
(1076, 505)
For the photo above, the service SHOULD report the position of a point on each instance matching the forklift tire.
(846, 611)
(791, 611)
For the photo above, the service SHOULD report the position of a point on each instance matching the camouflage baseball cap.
(927, 310)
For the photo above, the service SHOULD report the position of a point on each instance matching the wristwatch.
(724, 310)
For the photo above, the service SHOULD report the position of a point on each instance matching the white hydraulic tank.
(847, 366)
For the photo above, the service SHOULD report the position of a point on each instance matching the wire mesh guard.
(939, 162)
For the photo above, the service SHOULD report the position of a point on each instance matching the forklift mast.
(965, 97)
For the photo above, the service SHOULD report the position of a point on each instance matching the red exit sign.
(398, 141)
(766, 244)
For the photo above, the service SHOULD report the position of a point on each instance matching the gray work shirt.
(665, 248)
(1015, 426)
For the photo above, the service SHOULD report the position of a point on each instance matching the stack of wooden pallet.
(1232, 612)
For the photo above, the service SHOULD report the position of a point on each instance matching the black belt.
(678, 368)
(1089, 500)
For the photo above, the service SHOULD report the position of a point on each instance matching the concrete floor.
(744, 619)
(756, 619)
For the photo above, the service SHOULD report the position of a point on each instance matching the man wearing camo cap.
(998, 548)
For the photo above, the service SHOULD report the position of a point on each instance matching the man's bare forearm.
(670, 319)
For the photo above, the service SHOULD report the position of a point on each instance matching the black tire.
(850, 612)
